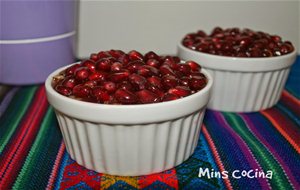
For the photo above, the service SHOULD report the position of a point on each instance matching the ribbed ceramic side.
(246, 91)
(131, 149)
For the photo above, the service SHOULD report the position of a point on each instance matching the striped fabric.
(260, 144)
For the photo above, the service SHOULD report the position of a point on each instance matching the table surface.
(265, 145)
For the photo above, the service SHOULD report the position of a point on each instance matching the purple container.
(36, 37)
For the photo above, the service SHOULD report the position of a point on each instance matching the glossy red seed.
(98, 75)
(71, 70)
(116, 66)
(90, 83)
(101, 95)
(124, 59)
(155, 81)
(147, 71)
(126, 86)
(125, 97)
(180, 91)
(137, 81)
(194, 66)
(134, 66)
(103, 54)
(66, 91)
(81, 91)
(166, 70)
(197, 83)
(116, 53)
(82, 73)
(109, 86)
(135, 55)
(153, 62)
(151, 55)
(146, 96)
(94, 57)
(184, 68)
(90, 64)
(171, 62)
(169, 97)
(158, 91)
(119, 76)
(169, 81)
(69, 82)
(105, 64)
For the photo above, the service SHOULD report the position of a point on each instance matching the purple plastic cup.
(36, 37)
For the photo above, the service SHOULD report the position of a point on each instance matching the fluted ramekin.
(130, 140)
(243, 84)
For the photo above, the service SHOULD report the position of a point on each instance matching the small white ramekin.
(130, 140)
(243, 84)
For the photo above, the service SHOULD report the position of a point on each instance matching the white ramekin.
(243, 84)
(130, 140)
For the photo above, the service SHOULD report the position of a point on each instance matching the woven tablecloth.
(259, 150)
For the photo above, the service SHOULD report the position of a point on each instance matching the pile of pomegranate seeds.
(237, 43)
(114, 77)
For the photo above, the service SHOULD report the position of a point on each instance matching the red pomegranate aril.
(124, 59)
(125, 97)
(69, 82)
(184, 81)
(134, 66)
(94, 57)
(90, 83)
(169, 81)
(126, 86)
(64, 90)
(119, 76)
(153, 62)
(166, 70)
(147, 71)
(103, 54)
(101, 95)
(109, 86)
(158, 91)
(71, 70)
(151, 55)
(137, 81)
(169, 60)
(186, 69)
(155, 81)
(194, 66)
(104, 64)
(197, 83)
(135, 55)
(146, 96)
(116, 66)
(98, 75)
(180, 91)
(90, 64)
(82, 73)
(116, 53)
(169, 97)
(81, 91)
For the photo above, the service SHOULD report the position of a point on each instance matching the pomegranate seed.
(155, 81)
(153, 62)
(169, 97)
(194, 66)
(124, 59)
(137, 81)
(103, 54)
(184, 81)
(180, 91)
(104, 64)
(166, 70)
(119, 76)
(99, 75)
(126, 86)
(186, 69)
(147, 71)
(125, 97)
(151, 55)
(146, 96)
(109, 86)
(169, 60)
(135, 55)
(81, 91)
(101, 95)
(71, 70)
(90, 65)
(116, 66)
(197, 83)
(82, 73)
(66, 91)
(94, 57)
(90, 83)
(169, 81)
(134, 66)
(69, 82)
(116, 53)
(158, 91)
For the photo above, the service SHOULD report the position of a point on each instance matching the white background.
(160, 25)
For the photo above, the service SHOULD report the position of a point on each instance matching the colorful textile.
(260, 144)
